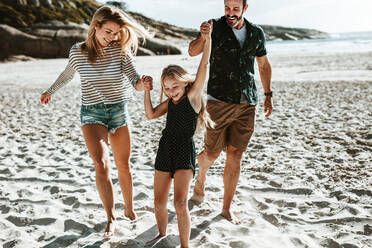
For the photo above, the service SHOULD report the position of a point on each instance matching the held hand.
(147, 83)
(206, 29)
(45, 98)
(268, 106)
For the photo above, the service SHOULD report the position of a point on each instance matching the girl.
(176, 153)
(106, 66)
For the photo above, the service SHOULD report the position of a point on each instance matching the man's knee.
(233, 153)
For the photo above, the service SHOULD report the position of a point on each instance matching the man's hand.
(206, 29)
(268, 106)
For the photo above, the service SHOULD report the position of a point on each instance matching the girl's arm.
(152, 113)
(195, 92)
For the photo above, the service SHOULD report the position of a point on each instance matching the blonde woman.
(106, 66)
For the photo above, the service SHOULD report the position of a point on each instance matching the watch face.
(268, 93)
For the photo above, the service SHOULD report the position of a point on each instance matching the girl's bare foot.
(159, 236)
(130, 214)
(230, 216)
(111, 228)
(198, 195)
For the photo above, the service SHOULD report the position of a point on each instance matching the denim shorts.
(111, 116)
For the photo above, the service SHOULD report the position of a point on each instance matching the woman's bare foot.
(130, 214)
(111, 228)
(230, 216)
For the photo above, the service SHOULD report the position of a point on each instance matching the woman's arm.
(65, 77)
(129, 69)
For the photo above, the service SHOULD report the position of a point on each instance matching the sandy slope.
(306, 178)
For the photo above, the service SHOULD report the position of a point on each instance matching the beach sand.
(306, 178)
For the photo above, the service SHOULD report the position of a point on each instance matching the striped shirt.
(106, 81)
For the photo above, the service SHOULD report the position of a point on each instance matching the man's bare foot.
(230, 216)
(198, 195)
(130, 214)
(111, 228)
(159, 236)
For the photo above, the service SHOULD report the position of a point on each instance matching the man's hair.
(244, 3)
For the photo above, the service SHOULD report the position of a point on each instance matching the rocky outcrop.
(48, 29)
(285, 33)
(15, 42)
(54, 39)
(52, 27)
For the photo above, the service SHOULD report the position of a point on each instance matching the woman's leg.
(182, 181)
(162, 183)
(121, 147)
(95, 136)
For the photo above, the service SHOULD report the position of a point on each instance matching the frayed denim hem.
(113, 130)
(94, 122)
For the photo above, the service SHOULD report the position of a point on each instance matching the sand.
(306, 178)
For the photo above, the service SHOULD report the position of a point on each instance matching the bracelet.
(270, 93)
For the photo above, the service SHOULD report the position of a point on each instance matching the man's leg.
(230, 181)
(205, 161)
(239, 134)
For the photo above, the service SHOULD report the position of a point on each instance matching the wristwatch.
(270, 93)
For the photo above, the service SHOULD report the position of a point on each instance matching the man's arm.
(196, 46)
(265, 74)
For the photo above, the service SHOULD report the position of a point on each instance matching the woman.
(106, 67)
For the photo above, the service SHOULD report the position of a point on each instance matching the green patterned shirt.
(231, 71)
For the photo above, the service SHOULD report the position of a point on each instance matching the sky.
(332, 16)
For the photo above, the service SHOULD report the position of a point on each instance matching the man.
(232, 94)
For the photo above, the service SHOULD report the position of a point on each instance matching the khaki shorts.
(234, 125)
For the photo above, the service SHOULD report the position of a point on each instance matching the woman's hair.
(180, 74)
(128, 39)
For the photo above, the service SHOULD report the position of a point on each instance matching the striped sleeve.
(129, 69)
(65, 77)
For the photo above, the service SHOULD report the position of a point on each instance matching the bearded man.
(232, 94)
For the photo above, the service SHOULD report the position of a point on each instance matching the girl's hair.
(128, 39)
(180, 74)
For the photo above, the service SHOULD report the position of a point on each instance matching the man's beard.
(239, 19)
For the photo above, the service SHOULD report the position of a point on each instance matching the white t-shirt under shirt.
(240, 35)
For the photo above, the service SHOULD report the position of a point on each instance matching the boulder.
(15, 42)
(161, 47)
(22, 2)
(47, 3)
(144, 52)
(35, 2)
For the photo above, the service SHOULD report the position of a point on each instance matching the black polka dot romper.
(176, 146)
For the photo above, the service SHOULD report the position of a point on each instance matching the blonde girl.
(107, 71)
(176, 153)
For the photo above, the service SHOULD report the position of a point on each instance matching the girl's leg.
(121, 146)
(182, 181)
(162, 183)
(95, 136)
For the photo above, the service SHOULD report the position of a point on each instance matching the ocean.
(338, 42)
